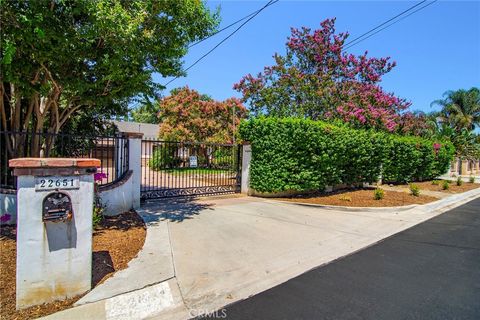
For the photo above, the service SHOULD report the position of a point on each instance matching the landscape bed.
(116, 241)
(453, 188)
(361, 198)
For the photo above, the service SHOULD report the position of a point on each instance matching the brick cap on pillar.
(54, 162)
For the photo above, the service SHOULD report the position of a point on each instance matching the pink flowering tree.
(317, 79)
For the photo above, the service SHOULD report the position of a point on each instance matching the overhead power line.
(383, 23)
(386, 24)
(225, 39)
(232, 24)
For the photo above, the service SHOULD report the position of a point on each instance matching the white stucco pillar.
(54, 228)
(246, 159)
(135, 164)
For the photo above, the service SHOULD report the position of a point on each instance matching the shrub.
(305, 155)
(415, 159)
(346, 198)
(292, 154)
(164, 158)
(98, 209)
(224, 158)
(472, 179)
(459, 181)
(414, 189)
(378, 194)
(445, 185)
(435, 182)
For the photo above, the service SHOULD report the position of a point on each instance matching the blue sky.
(436, 49)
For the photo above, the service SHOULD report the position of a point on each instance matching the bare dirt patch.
(427, 185)
(116, 241)
(362, 198)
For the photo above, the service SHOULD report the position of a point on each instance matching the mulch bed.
(362, 198)
(116, 241)
(427, 185)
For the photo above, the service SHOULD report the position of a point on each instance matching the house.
(149, 131)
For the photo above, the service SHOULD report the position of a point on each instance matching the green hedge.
(292, 154)
(415, 159)
(164, 158)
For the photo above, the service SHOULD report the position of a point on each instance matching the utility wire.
(231, 25)
(360, 39)
(398, 15)
(225, 39)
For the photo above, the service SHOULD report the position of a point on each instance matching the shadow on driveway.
(173, 209)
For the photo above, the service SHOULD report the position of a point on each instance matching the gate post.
(135, 164)
(246, 158)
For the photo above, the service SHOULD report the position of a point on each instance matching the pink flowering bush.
(5, 217)
(317, 79)
(99, 176)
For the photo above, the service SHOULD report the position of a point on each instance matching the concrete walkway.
(225, 250)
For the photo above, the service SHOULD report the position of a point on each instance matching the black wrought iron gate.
(172, 169)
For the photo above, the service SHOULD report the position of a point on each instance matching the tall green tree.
(457, 119)
(60, 56)
(145, 113)
(460, 109)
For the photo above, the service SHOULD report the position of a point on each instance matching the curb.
(435, 205)
(350, 209)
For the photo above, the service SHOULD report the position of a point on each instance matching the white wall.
(118, 198)
(246, 159)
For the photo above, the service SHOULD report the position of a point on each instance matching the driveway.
(430, 271)
(227, 250)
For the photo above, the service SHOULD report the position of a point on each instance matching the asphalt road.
(431, 271)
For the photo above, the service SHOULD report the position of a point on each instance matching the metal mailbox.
(57, 207)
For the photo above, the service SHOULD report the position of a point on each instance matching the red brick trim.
(54, 162)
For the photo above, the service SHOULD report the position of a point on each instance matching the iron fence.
(171, 169)
(111, 150)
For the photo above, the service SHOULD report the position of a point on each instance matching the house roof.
(149, 130)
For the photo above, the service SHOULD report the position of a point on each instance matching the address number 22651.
(51, 183)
